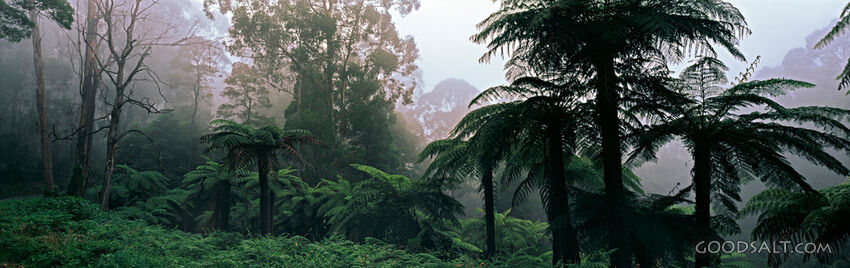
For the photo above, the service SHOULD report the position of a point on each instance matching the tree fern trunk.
(564, 241)
(702, 188)
(265, 206)
(223, 206)
(607, 98)
(489, 210)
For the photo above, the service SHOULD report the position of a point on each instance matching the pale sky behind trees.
(442, 29)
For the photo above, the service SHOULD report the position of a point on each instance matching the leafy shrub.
(71, 232)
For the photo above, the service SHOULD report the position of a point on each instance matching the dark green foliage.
(609, 44)
(214, 188)
(15, 24)
(71, 232)
(513, 234)
(803, 217)
(398, 210)
(245, 145)
(131, 187)
(170, 151)
(345, 65)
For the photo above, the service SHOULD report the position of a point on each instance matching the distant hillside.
(440, 109)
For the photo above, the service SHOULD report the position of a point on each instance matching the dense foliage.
(296, 133)
(71, 232)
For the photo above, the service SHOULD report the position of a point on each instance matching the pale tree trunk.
(47, 161)
(91, 79)
(133, 53)
(121, 82)
(193, 128)
(112, 142)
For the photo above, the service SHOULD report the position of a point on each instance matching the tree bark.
(91, 80)
(265, 195)
(489, 209)
(43, 123)
(112, 144)
(223, 206)
(607, 105)
(564, 241)
(702, 188)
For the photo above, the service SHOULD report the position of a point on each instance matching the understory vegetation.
(72, 232)
(298, 133)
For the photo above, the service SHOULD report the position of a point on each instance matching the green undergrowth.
(72, 232)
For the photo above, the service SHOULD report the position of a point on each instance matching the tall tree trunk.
(564, 241)
(197, 98)
(607, 104)
(489, 209)
(193, 129)
(91, 79)
(112, 136)
(43, 124)
(702, 188)
(265, 194)
(111, 146)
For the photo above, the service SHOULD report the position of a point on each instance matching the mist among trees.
(301, 133)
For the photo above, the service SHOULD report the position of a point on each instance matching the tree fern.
(731, 147)
(803, 217)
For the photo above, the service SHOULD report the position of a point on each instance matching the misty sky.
(442, 29)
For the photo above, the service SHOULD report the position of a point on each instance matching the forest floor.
(72, 232)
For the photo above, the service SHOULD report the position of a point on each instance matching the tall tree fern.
(599, 39)
(245, 145)
(730, 146)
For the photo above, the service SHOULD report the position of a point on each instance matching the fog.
(359, 91)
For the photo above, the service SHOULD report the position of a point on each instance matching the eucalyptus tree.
(730, 146)
(88, 103)
(836, 31)
(16, 26)
(200, 58)
(245, 145)
(598, 39)
(341, 61)
(247, 96)
(129, 38)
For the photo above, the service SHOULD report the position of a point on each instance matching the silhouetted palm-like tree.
(536, 124)
(399, 210)
(598, 39)
(837, 30)
(730, 147)
(245, 145)
(460, 160)
(802, 217)
(213, 186)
